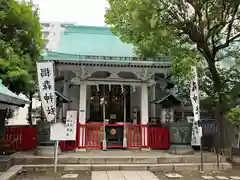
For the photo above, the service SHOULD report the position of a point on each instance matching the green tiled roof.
(93, 41)
(82, 43)
(8, 97)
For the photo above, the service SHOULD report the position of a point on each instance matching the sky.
(82, 12)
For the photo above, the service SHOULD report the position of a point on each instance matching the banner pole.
(55, 156)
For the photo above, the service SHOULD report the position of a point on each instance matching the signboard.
(58, 132)
(167, 115)
(65, 132)
(209, 127)
(71, 125)
(47, 89)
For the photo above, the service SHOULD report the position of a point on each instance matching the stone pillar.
(153, 105)
(82, 112)
(144, 113)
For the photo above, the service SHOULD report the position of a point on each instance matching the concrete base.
(145, 149)
(124, 142)
(181, 150)
(46, 151)
(80, 150)
(5, 163)
(104, 145)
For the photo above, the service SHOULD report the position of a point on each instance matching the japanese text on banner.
(195, 99)
(47, 89)
(194, 96)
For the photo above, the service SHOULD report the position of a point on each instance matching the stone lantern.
(180, 131)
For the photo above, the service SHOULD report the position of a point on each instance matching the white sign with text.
(71, 125)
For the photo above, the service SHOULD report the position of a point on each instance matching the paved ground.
(123, 175)
(81, 175)
(198, 176)
(132, 175)
(229, 175)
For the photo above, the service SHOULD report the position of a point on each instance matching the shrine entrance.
(116, 99)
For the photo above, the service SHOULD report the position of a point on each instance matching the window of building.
(45, 24)
(45, 34)
(65, 24)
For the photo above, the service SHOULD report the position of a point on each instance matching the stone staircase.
(153, 163)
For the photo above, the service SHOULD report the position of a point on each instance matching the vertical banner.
(47, 89)
(194, 96)
(195, 100)
(71, 125)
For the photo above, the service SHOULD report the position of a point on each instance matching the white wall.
(20, 114)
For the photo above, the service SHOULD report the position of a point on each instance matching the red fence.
(90, 136)
(20, 138)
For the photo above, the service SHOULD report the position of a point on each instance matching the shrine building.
(105, 81)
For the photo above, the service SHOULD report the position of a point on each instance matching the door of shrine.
(114, 103)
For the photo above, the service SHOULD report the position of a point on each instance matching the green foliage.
(233, 115)
(21, 43)
(201, 33)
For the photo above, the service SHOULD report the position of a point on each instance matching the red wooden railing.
(90, 136)
(20, 138)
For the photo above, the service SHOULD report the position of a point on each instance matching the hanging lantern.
(109, 87)
(122, 88)
(97, 88)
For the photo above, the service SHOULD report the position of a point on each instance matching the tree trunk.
(30, 109)
(217, 87)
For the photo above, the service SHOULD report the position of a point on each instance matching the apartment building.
(52, 32)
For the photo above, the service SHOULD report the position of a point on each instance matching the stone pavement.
(196, 176)
(123, 175)
(147, 175)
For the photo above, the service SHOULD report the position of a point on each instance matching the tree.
(204, 33)
(20, 46)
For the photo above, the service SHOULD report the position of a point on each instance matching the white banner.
(194, 96)
(47, 89)
(71, 125)
(195, 99)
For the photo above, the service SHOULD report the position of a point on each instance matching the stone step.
(113, 167)
(117, 160)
